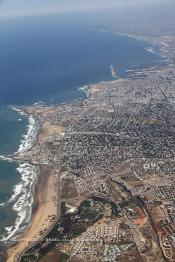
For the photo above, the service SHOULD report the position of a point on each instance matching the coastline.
(43, 211)
(157, 46)
(22, 196)
(22, 200)
(38, 205)
(44, 207)
(28, 139)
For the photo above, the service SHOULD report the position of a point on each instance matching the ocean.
(49, 60)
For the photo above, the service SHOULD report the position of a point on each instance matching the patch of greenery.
(63, 257)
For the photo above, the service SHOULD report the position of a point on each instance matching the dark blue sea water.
(45, 59)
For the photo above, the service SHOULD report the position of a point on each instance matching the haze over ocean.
(46, 59)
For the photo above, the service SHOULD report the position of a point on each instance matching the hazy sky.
(35, 7)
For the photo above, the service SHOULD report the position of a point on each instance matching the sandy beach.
(44, 212)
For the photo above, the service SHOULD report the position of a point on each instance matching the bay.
(46, 59)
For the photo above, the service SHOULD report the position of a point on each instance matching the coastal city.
(103, 188)
(107, 174)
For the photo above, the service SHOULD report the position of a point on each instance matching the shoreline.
(43, 206)
(28, 139)
(22, 193)
(22, 200)
(44, 203)
(156, 45)
(154, 42)
(36, 194)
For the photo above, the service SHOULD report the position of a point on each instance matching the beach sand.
(44, 211)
